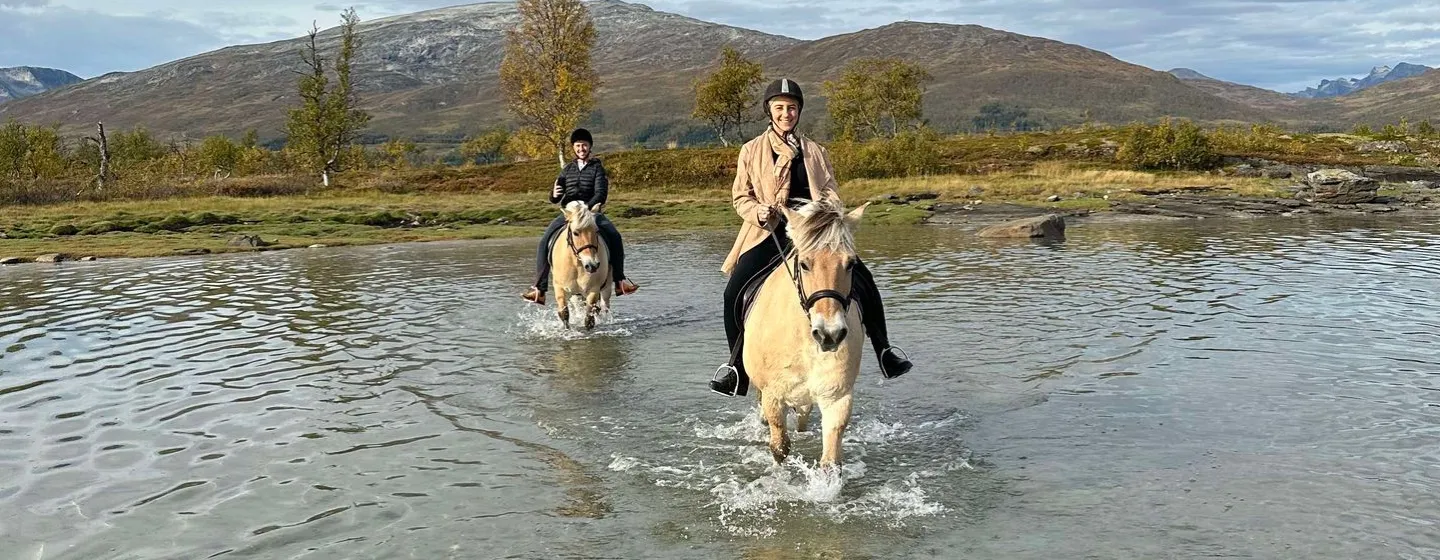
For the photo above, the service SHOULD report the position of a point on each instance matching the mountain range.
(25, 81)
(1378, 75)
(432, 76)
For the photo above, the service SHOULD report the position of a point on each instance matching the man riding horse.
(583, 179)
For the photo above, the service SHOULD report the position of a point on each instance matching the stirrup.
(720, 374)
(539, 298)
(620, 289)
(898, 353)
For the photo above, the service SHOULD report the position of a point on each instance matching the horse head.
(824, 239)
(583, 235)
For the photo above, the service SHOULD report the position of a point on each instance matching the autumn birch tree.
(875, 97)
(328, 120)
(727, 98)
(546, 74)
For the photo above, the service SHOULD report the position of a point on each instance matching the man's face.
(582, 150)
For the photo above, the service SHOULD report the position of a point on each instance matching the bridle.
(570, 242)
(807, 302)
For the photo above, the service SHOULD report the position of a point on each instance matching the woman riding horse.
(783, 167)
(583, 179)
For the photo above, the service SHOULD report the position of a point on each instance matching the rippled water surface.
(1266, 389)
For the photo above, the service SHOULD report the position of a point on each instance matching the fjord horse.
(580, 265)
(805, 335)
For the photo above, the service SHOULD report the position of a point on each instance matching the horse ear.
(852, 219)
(791, 216)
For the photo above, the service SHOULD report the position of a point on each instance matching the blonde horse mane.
(821, 226)
(580, 216)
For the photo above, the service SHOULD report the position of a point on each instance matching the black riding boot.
(730, 380)
(893, 362)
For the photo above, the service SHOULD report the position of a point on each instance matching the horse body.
(801, 359)
(580, 265)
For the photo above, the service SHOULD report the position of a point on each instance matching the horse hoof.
(589, 323)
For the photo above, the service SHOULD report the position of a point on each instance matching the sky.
(1285, 45)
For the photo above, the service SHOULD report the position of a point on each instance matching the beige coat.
(756, 187)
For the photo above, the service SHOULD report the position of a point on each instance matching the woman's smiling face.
(785, 113)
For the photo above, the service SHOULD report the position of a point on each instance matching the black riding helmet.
(581, 135)
(786, 87)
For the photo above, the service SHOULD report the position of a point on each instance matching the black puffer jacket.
(590, 185)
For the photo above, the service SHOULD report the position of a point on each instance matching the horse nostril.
(840, 335)
(816, 333)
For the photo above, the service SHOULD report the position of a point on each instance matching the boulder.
(194, 251)
(1277, 173)
(1246, 170)
(248, 241)
(1386, 146)
(11, 260)
(1049, 226)
(1338, 186)
(50, 258)
(87, 259)
(318, 246)
(1401, 173)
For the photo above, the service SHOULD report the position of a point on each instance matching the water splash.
(536, 322)
(751, 495)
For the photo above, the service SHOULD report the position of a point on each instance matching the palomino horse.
(580, 265)
(805, 335)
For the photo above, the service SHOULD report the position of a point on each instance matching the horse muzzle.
(591, 267)
(829, 339)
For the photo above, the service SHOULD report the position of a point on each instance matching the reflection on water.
(1259, 388)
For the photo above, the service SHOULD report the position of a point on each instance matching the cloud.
(1281, 44)
(89, 44)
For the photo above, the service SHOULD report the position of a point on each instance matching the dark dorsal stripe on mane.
(821, 227)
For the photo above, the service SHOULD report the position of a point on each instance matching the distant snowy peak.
(1378, 75)
(25, 81)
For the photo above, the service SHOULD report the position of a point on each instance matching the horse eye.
(850, 265)
(805, 266)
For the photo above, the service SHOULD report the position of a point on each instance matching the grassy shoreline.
(363, 216)
(1074, 171)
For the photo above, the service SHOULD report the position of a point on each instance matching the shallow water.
(1260, 389)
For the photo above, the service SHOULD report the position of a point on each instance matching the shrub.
(1168, 145)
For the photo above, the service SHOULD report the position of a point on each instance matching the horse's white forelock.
(583, 219)
(821, 228)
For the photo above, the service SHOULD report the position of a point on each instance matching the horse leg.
(834, 417)
(802, 418)
(591, 308)
(774, 411)
(562, 306)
